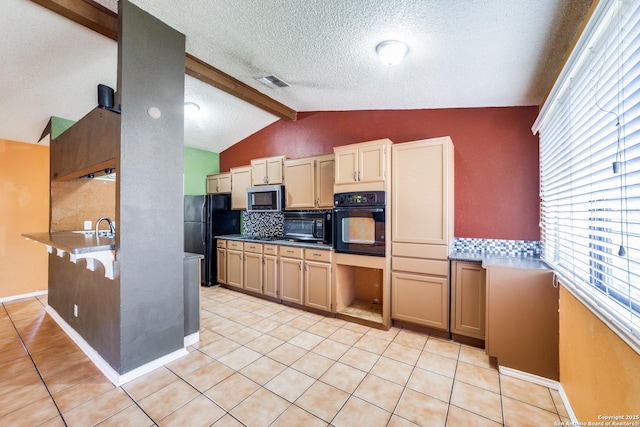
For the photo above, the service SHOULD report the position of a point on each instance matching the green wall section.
(59, 125)
(197, 165)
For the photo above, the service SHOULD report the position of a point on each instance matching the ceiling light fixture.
(392, 52)
(191, 108)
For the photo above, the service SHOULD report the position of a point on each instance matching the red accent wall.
(496, 157)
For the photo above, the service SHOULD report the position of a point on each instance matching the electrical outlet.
(87, 225)
(75, 310)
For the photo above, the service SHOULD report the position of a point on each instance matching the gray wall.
(150, 206)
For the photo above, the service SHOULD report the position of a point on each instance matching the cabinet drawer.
(420, 251)
(255, 248)
(221, 243)
(234, 244)
(422, 266)
(270, 249)
(290, 252)
(317, 255)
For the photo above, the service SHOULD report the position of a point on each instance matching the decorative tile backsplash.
(497, 246)
(263, 224)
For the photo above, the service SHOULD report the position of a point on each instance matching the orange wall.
(496, 157)
(599, 372)
(24, 207)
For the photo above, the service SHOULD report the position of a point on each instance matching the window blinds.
(590, 168)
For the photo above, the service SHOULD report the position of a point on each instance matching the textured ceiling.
(462, 53)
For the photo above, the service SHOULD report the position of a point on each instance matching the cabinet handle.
(317, 254)
(300, 266)
(305, 266)
(358, 175)
(355, 175)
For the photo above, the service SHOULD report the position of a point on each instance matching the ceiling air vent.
(272, 81)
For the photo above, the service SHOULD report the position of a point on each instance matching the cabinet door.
(291, 279)
(422, 192)
(234, 268)
(253, 272)
(212, 184)
(299, 178)
(259, 172)
(468, 296)
(224, 183)
(221, 259)
(274, 170)
(325, 172)
(240, 181)
(371, 161)
(420, 299)
(270, 275)
(346, 165)
(317, 285)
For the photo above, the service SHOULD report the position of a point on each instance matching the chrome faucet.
(112, 228)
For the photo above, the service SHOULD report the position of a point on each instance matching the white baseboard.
(567, 405)
(545, 382)
(191, 339)
(22, 296)
(113, 376)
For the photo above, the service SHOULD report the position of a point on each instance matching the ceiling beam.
(102, 20)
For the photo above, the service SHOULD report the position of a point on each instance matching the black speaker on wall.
(105, 98)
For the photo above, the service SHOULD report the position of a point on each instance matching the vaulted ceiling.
(462, 53)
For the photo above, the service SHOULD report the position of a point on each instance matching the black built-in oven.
(359, 223)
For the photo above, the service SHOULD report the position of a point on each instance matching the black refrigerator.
(205, 217)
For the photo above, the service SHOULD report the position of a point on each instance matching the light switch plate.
(87, 225)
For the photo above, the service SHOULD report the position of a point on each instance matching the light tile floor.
(264, 364)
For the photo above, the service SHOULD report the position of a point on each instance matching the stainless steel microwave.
(265, 198)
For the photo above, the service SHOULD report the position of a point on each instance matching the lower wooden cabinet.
(290, 273)
(291, 278)
(235, 268)
(221, 260)
(420, 299)
(253, 271)
(468, 299)
(317, 279)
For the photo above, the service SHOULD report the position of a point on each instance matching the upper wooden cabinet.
(240, 181)
(267, 171)
(220, 183)
(422, 191)
(309, 182)
(88, 147)
(299, 183)
(325, 170)
(361, 163)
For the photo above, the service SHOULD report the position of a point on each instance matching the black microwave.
(308, 226)
(265, 198)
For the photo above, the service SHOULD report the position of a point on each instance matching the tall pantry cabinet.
(422, 228)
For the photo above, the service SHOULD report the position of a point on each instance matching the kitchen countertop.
(495, 260)
(284, 242)
(74, 242)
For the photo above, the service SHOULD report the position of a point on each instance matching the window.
(590, 168)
